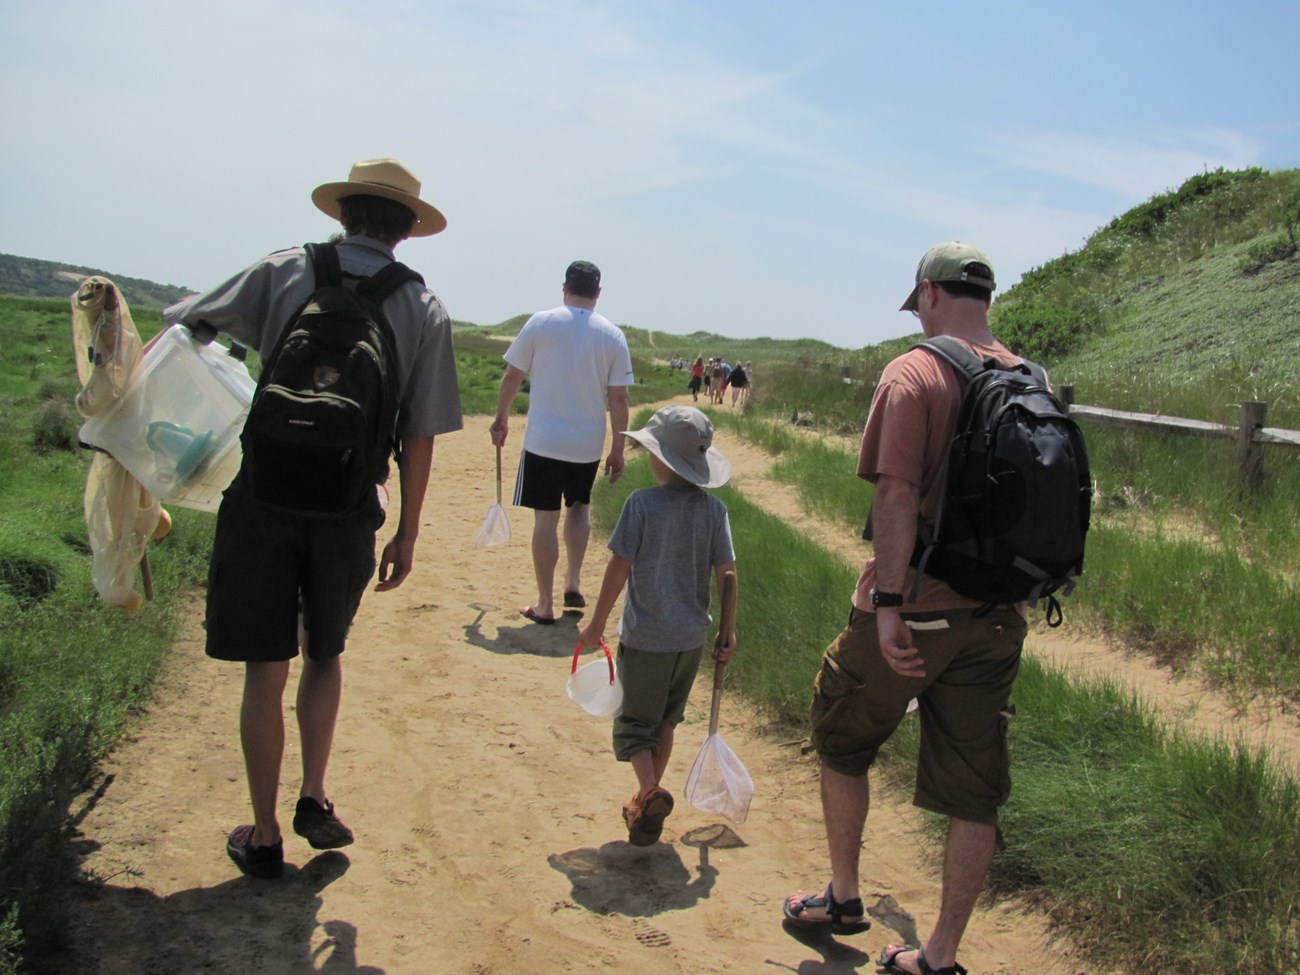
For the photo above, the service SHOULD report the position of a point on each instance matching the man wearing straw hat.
(577, 362)
(911, 637)
(272, 571)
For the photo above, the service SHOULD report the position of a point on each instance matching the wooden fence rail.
(1250, 433)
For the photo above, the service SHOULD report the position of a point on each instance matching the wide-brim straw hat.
(682, 437)
(385, 178)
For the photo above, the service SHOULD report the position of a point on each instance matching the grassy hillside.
(33, 278)
(1195, 291)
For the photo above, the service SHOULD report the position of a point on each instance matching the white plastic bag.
(595, 686)
(496, 527)
(719, 783)
(495, 530)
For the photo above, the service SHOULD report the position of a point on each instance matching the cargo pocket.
(832, 715)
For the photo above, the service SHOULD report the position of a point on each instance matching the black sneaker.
(319, 826)
(265, 862)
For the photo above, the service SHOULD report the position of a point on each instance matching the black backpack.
(321, 427)
(1017, 495)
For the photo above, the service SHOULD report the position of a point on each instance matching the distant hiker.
(576, 361)
(717, 381)
(697, 379)
(274, 569)
(738, 381)
(667, 542)
(957, 657)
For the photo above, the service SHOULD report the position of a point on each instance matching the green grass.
(71, 667)
(1136, 841)
(1148, 843)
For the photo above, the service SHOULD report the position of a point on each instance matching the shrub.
(1038, 330)
(1261, 254)
(55, 427)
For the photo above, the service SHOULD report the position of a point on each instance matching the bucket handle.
(577, 652)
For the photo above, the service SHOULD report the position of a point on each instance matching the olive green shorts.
(964, 703)
(656, 687)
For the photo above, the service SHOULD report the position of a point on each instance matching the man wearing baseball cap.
(956, 657)
(579, 367)
(271, 569)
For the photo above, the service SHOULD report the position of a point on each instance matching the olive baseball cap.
(951, 261)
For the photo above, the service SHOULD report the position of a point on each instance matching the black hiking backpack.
(321, 427)
(1017, 496)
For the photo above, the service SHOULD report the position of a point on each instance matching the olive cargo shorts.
(858, 701)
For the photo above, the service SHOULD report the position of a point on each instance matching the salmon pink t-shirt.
(908, 434)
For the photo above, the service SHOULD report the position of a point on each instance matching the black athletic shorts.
(268, 566)
(544, 481)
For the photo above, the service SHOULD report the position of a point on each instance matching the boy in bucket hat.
(667, 541)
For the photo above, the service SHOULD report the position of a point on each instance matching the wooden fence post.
(1250, 453)
(1066, 395)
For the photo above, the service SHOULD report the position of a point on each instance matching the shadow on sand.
(633, 881)
(242, 925)
(556, 640)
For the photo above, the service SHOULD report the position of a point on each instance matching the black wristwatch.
(886, 599)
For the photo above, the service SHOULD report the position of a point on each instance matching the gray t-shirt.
(674, 537)
(255, 306)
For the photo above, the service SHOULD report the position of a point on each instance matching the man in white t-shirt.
(576, 361)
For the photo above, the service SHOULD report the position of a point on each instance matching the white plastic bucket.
(595, 686)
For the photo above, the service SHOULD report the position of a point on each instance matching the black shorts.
(267, 567)
(543, 481)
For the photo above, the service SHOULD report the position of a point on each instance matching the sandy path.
(486, 807)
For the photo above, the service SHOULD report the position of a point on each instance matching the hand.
(722, 651)
(202, 332)
(500, 430)
(896, 643)
(614, 466)
(395, 564)
(591, 635)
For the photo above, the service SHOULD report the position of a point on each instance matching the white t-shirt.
(571, 356)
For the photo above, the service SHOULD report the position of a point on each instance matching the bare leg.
(577, 530)
(261, 730)
(649, 764)
(546, 555)
(845, 800)
(665, 751)
(966, 861)
(320, 688)
(643, 764)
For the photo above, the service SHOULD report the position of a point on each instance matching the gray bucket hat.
(682, 437)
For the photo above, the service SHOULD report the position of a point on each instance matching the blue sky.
(750, 168)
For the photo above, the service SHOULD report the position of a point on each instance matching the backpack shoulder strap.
(324, 262)
(387, 280)
(969, 365)
(324, 259)
(956, 354)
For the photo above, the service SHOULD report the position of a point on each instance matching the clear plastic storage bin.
(177, 426)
